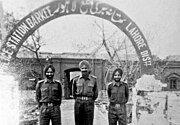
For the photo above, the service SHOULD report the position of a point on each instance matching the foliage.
(30, 48)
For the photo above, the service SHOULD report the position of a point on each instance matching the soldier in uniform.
(85, 92)
(49, 96)
(118, 93)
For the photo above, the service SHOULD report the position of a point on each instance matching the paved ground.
(67, 112)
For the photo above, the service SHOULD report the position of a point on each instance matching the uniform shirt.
(48, 92)
(85, 87)
(118, 93)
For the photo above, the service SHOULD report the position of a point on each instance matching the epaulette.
(93, 76)
(123, 82)
(110, 83)
(57, 81)
(76, 77)
(41, 81)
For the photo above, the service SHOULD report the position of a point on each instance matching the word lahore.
(55, 9)
(140, 43)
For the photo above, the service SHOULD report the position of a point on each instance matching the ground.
(67, 112)
(152, 108)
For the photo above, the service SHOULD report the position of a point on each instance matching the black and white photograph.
(90, 62)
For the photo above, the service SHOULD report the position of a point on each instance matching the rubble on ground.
(28, 109)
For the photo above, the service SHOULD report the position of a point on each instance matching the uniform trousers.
(84, 112)
(117, 114)
(48, 113)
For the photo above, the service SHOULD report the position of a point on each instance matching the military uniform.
(118, 96)
(85, 91)
(49, 96)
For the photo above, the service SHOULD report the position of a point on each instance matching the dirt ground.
(67, 112)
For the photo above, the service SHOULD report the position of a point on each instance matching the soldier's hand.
(56, 109)
(107, 106)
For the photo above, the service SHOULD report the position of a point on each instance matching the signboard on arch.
(59, 8)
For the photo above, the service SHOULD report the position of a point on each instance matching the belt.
(84, 98)
(49, 104)
(117, 105)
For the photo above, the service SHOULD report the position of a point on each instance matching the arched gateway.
(58, 8)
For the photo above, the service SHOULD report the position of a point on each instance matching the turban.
(49, 66)
(84, 62)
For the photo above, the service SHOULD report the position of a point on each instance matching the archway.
(58, 8)
(68, 80)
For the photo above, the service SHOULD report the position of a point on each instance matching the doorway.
(69, 74)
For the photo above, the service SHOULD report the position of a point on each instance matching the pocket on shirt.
(79, 88)
(44, 92)
(113, 95)
(55, 91)
(90, 86)
(90, 89)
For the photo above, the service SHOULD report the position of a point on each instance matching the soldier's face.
(84, 70)
(117, 76)
(49, 73)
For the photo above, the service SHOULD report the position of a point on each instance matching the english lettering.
(38, 17)
(41, 15)
(16, 35)
(12, 46)
(34, 20)
(144, 53)
(137, 37)
(29, 22)
(22, 30)
(25, 27)
(49, 11)
(146, 58)
(147, 63)
(15, 39)
(141, 43)
(135, 33)
(19, 31)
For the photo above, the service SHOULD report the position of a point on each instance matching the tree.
(114, 44)
(30, 47)
(113, 48)
(33, 46)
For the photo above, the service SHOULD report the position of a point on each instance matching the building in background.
(66, 65)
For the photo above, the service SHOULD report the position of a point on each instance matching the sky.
(157, 19)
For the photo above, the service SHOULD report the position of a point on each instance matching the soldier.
(118, 94)
(85, 92)
(49, 96)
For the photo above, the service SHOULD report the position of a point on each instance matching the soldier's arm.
(60, 93)
(127, 93)
(95, 89)
(109, 91)
(74, 88)
(38, 93)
